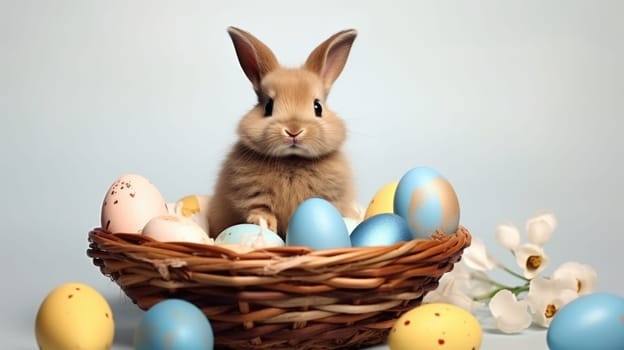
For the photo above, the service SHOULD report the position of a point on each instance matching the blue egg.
(174, 324)
(248, 235)
(381, 230)
(593, 321)
(427, 201)
(317, 224)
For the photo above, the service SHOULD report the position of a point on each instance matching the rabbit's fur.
(289, 146)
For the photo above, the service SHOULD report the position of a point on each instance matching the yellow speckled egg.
(436, 326)
(383, 201)
(74, 316)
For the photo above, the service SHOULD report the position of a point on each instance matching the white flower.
(459, 275)
(452, 289)
(451, 295)
(540, 227)
(477, 258)
(579, 277)
(510, 315)
(508, 236)
(480, 284)
(546, 297)
(532, 259)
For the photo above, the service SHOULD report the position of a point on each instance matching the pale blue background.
(519, 104)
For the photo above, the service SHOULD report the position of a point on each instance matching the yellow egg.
(436, 326)
(383, 201)
(74, 316)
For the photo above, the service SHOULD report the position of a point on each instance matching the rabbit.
(289, 144)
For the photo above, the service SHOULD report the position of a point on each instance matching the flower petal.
(454, 297)
(453, 288)
(476, 257)
(540, 227)
(510, 315)
(579, 277)
(508, 236)
(546, 297)
(532, 259)
(459, 274)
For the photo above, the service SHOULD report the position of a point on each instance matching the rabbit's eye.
(318, 109)
(268, 108)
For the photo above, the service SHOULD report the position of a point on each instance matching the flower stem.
(492, 282)
(515, 290)
(513, 273)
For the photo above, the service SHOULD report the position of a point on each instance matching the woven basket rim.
(133, 239)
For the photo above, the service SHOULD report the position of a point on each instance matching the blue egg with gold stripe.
(427, 201)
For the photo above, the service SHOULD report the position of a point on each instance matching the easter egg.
(383, 201)
(427, 201)
(74, 316)
(174, 324)
(249, 235)
(175, 228)
(381, 230)
(592, 321)
(131, 201)
(436, 326)
(317, 224)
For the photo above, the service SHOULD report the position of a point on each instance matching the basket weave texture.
(282, 297)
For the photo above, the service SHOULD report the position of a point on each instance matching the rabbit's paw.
(264, 220)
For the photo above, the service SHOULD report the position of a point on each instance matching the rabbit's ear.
(255, 57)
(330, 57)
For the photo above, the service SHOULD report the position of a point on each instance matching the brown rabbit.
(289, 146)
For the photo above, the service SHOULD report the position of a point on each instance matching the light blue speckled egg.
(317, 224)
(248, 235)
(381, 230)
(174, 324)
(427, 201)
(593, 321)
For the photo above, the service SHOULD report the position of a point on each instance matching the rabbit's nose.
(293, 133)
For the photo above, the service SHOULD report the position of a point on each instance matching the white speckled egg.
(175, 228)
(249, 235)
(130, 203)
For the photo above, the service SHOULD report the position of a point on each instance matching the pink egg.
(130, 203)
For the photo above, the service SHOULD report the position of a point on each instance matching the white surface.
(519, 104)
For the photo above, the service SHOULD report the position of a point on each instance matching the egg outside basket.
(285, 297)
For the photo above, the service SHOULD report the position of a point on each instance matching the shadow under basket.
(282, 297)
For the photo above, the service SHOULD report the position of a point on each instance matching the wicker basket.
(286, 297)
